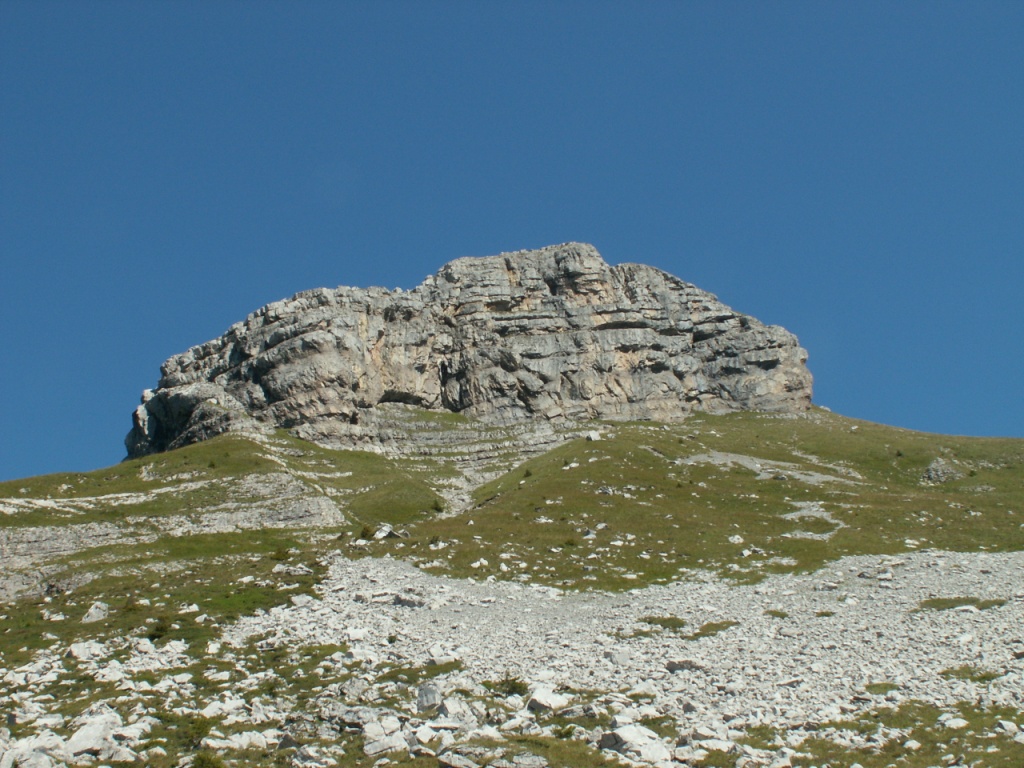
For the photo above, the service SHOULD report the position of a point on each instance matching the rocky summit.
(555, 335)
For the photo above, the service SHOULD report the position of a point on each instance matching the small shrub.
(158, 628)
(206, 759)
(508, 685)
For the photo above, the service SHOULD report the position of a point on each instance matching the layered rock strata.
(556, 335)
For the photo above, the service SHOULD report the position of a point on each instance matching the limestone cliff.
(555, 335)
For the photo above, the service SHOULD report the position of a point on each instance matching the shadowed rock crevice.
(556, 335)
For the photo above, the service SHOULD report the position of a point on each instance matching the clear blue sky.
(852, 171)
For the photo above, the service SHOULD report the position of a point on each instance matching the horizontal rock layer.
(555, 334)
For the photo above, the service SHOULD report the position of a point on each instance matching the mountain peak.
(554, 334)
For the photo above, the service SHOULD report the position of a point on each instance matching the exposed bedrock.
(554, 334)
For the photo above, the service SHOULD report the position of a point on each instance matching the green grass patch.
(560, 753)
(881, 688)
(717, 759)
(673, 623)
(711, 628)
(416, 675)
(951, 603)
(665, 727)
(761, 737)
(977, 744)
(972, 673)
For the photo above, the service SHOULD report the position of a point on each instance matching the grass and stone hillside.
(150, 596)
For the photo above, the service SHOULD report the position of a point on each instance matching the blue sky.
(852, 171)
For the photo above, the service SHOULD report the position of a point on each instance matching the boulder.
(427, 697)
(636, 742)
(97, 612)
(455, 760)
(44, 750)
(87, 650)
(546, 700)
(392, 742)
(96, 737)
(941, 471)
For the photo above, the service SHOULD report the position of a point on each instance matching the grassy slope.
(202, 570)
(631, 508)
(664, 515)
(202, 476)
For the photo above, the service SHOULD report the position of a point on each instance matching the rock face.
(554, 334)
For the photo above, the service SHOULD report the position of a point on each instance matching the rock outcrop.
(555, 334)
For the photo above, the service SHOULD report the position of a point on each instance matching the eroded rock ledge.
(555, 334)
